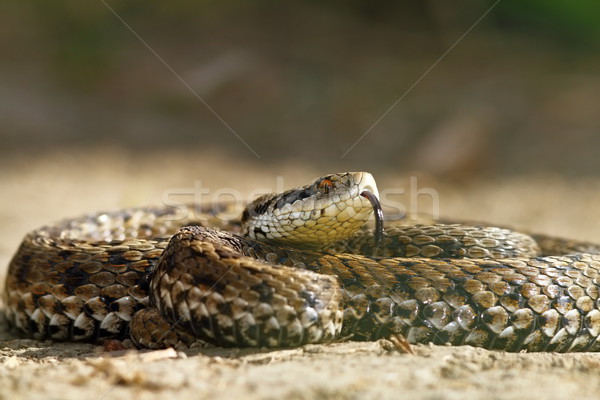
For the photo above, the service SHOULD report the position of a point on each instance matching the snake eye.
(325, 185)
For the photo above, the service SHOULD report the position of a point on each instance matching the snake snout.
(330, 209)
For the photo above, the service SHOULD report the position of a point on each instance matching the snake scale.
(299, 267)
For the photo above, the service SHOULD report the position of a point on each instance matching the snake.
(300, 267)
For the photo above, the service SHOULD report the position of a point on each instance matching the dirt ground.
(63, 184)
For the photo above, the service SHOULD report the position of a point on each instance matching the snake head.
(314, 216)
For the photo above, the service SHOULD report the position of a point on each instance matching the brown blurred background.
(500, 116)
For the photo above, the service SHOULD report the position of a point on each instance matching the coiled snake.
(299, 267)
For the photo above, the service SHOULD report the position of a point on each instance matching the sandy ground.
(61, 184)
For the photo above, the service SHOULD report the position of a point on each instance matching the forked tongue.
(378, 215)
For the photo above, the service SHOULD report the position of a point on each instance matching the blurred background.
(491, 104)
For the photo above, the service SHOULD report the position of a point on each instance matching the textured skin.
(205, 285)
(83, 278)
(97, 277)
(526, 303)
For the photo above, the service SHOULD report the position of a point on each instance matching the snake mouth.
(378, 214)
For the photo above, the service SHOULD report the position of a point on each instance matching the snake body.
(300, 269)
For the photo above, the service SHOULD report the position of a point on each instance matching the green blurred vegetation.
(308, 79)
(84, 38)
(568, 22)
